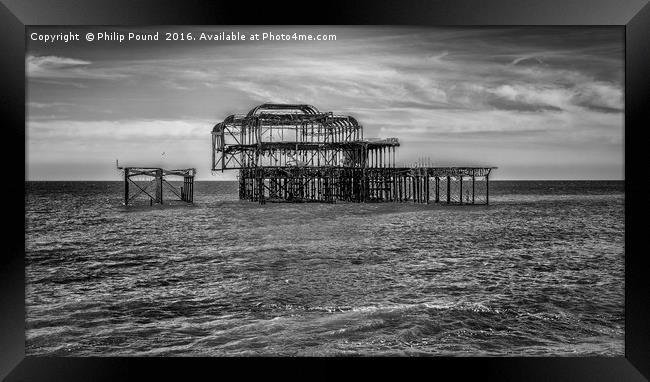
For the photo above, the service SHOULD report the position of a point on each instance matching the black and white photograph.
(325, 191)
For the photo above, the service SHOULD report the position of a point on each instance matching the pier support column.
(159, 186)
(126, 186)
(448, 189)
(437, 189)
(461, 190)
(426, 186)
(399, 188)
(473, 187)
(191, 196)
(487, 189)
(260, 189)
(414, 190)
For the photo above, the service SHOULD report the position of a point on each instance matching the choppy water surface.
(538, 272)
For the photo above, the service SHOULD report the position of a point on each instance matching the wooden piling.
(448, 189)
(473, 187)
(425, 189)
(159, 186)
(126, 186)
(437, 189)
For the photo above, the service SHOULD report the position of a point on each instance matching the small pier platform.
(142, 183)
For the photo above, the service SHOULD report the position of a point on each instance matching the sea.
(538, 272)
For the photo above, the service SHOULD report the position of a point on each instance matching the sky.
(537, 102)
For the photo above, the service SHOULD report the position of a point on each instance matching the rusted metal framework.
(295, 153)
(139, 180)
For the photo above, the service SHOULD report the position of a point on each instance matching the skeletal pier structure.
(139, 180)
(295, 153)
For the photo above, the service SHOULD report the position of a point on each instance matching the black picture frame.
(634, 16)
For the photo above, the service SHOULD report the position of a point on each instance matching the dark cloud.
(506, 104)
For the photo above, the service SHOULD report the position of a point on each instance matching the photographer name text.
(122, 37)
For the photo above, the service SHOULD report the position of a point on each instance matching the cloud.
(399, 74)
(56, 67)
(599, 96)
(46, 105)
(35, 63)
(554, 97)
(527, 57)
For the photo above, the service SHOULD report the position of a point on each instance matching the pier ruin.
(296, 153)
(141, 183)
